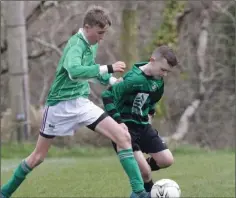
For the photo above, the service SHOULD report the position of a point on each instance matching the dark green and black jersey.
(133, 98)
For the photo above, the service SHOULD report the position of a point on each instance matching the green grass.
(9, 151)
(199, 173)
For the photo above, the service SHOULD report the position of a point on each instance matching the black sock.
(152, 164)
(148, 186)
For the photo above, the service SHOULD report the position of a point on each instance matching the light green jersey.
(76, 66)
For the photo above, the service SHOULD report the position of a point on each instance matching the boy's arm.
(118, 90)
(107, 79)
(75, 69)
(152, 106)
(152, 110)
(104, 78)
(151, 113)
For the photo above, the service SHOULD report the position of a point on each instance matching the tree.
(129, 51)
(18, 67)
(206, 44)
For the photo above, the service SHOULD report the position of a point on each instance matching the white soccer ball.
(165, 188)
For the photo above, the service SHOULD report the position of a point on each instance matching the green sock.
(131, 168)
(18, 177)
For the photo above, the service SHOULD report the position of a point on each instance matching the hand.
(150, 118)
(119, 79)
(118, 66)
(124, 126)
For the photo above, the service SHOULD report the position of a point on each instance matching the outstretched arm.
(76, 71)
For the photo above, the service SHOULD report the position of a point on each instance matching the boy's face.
(95, 34)
(160, 68)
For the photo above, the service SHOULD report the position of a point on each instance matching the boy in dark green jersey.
(131, 103)
(68, 108)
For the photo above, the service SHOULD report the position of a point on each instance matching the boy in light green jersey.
(68, 108)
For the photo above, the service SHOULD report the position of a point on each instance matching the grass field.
(199, 173)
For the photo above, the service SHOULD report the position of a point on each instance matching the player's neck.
(146, 69)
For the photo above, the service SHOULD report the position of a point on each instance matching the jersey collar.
(139, 71)
(137, 65)
(81, 32)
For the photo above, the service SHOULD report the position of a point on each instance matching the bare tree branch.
(211, 77)
(36, 54)
(180, 17)
(201, 51)
(62, 24)
(219, 8)
(30, 7)
(46, 44)
(50, 3)
(183, 126)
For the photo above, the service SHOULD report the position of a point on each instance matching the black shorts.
(144, 138)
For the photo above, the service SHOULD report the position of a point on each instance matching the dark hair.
(97, 16)
(165, 52)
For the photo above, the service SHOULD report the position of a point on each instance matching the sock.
(131, 168)
(148, 186)
(152, 163)
(18, 177)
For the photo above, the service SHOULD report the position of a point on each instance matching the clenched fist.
(118, 66)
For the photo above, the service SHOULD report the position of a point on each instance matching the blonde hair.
(97, 16)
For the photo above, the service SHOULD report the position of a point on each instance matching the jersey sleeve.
(155, 100)
(104, 78)
(74, 67)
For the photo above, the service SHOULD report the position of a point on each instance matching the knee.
(169, 161)
(166, 161)
(124, 139)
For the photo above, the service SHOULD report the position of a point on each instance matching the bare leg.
(163, 158)
(145, 170)
(40, 152)
(111, 129)
(143, 165)
(25, 167)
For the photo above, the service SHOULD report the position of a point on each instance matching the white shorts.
(66, 117)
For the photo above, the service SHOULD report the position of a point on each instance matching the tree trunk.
(129, 32)
(18, 67)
